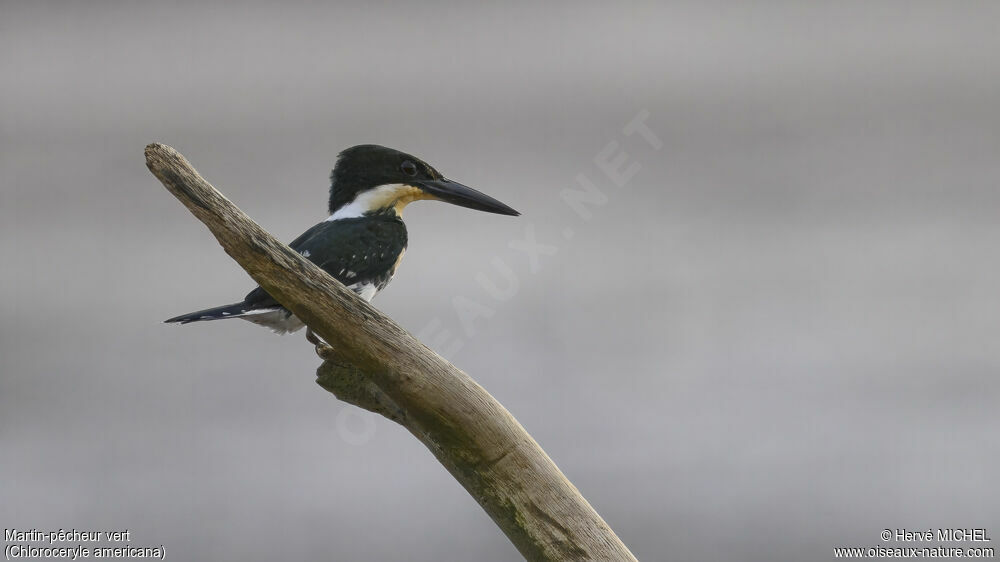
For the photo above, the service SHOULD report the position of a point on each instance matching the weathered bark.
(375, 364)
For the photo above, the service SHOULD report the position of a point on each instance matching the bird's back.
(360, 252)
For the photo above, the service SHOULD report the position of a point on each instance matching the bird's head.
(370, 179)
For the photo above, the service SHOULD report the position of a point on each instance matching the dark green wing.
(355, 251)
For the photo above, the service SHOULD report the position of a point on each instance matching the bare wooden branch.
(378, 366)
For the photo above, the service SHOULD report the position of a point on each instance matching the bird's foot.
(323, 349)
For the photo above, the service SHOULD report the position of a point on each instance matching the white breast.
(279, 320)
(366, 291)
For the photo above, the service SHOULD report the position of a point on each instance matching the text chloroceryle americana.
(363, 240)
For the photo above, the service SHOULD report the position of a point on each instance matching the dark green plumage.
(363, 240)
(356, 252)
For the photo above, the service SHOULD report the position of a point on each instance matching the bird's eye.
(409, 168)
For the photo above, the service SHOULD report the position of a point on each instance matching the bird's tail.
(234, 310)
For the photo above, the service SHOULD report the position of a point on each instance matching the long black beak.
(463, 196)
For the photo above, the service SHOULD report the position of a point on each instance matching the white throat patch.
(395, 195)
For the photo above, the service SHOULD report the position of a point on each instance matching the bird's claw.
(325, 352)
(312, 338)
(323, 349)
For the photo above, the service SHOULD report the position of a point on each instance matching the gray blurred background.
(777, 338)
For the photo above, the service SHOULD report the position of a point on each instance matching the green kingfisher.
(363, 240)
